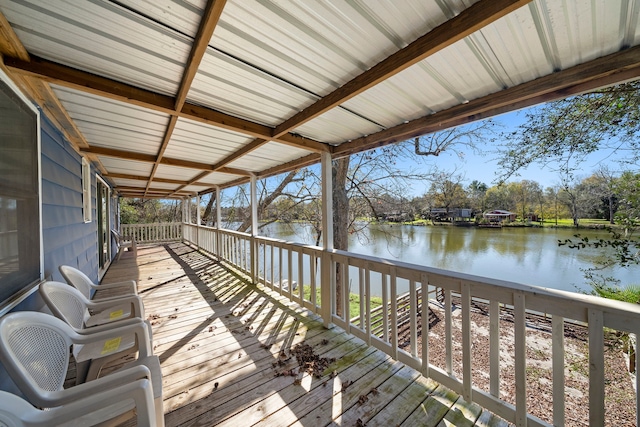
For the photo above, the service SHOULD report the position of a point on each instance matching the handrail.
(153, 233)
(276, 264)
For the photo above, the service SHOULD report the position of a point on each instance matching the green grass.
(584, 222)
(354, 301)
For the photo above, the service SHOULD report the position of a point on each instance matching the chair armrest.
(137, 307)
(140, 329)
(94, 408)
(49, 399)
(117, 324)
(131, 284)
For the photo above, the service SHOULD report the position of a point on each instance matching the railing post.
(327, 277)
(198, 221)
(254, 230)
(218, 222)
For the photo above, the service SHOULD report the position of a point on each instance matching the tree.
(563, 133)
(147, 211)
(447, 191)
(476, 192)
(500, 197)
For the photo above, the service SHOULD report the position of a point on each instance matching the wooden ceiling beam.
(210, 18)
(150, 158)
(604, 71)
(468, 21)
(91, 83)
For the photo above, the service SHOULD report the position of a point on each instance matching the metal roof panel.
(103, 38)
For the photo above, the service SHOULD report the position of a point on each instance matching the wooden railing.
(320, 274)
(152, 233)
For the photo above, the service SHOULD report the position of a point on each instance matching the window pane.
(19, 218)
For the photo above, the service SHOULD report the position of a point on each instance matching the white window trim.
(86, 190)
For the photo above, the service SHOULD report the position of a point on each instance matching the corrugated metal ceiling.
(268, 60)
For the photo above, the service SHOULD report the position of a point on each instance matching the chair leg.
(82, 369)
(134, 247)
(120, 250)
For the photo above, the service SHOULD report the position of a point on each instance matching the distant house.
(498, 215)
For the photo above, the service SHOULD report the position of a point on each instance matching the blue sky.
(484, 167)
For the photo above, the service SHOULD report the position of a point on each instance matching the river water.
(525, 255)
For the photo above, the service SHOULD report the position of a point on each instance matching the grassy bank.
(354, 301)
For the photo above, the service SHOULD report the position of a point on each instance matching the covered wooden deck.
(231, 355)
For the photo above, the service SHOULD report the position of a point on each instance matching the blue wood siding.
(67, 239)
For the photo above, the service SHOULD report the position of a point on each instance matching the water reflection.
(524, 255)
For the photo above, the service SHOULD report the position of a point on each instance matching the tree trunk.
(340, 219)
(207, 210)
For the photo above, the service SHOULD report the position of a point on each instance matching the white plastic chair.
(81, 281)
(112, 405)
(34, 349)
(125, 242)
(68, 304)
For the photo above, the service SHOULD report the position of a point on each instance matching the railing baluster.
(385, 309)
(394, 314)
(367, 285)
(465, 297)
(447, 330)
(519, 319)
(596, 367)
(494, 348)
(424, 284)
(290, 272)
(301, 277)
(346, 290)
(557, 355)
(364, 296)
(413, 319)
(312, 262)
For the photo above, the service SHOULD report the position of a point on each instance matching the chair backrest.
(34, 349)
(117, 236)
(77, 279)
(66, 303)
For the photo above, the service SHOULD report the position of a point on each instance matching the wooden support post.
(327, 278)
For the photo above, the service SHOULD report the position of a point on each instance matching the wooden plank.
(462, 414)
(333, 388)
(271, 396)
(433, 409)
(406, 403)
(387, 391)
(487, 419)
(344, 375)
(226, 375)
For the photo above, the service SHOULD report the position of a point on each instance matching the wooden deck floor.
(226, 349)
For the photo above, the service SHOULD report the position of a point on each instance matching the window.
(19, 194)
(86, 190)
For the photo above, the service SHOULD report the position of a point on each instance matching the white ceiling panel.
(337, 126)
(234, 87)
(129, 182)
(181, 15)
(267, 156)
(176, 172)
(103, 38)
(130, 167)
(114, 124)
(199, 142)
